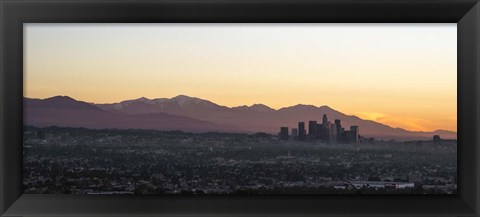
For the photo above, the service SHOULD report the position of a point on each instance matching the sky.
(402, 75)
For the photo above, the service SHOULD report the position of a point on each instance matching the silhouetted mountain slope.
(176, 104)
(59, 102)
(261, 118)
(67, 112)
(197, 115)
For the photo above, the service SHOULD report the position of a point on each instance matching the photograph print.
(240, 109)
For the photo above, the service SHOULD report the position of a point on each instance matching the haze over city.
(401, 75)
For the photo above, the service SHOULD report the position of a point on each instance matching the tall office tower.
(283, 133)
(348, 136)
(318, 131)
(312, 126)
(294, 133)
(324, 120)
(343, 138)
(436, 139)
(326, 132)
(338, 127)
(301, 131)
(333, 134)
(325, 126)
(354, 134)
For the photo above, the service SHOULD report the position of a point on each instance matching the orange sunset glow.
(401, 75)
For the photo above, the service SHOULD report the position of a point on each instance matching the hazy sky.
(403, 75)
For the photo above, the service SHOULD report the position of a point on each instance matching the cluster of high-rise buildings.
(325, 131)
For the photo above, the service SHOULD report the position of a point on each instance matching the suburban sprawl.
(86, 161)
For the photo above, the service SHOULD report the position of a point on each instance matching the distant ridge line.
(254, 118)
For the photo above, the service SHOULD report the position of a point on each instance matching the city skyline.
(403, 75)
(325, 131)
(177, 104)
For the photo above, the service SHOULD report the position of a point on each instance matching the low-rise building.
(379, 184)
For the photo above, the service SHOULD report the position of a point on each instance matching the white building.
(375, 184)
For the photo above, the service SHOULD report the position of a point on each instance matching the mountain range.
(198, 115)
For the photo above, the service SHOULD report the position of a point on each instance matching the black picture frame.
(466, 13)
